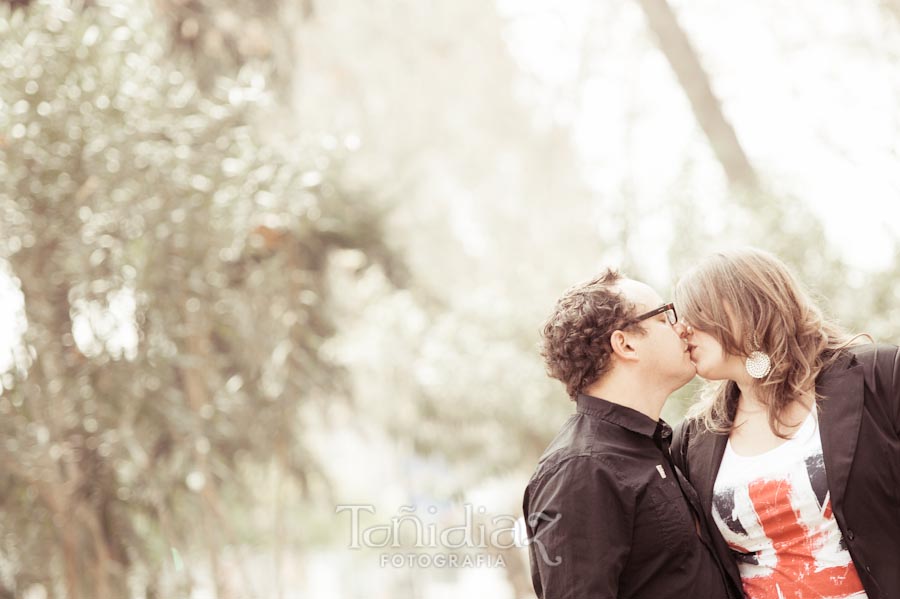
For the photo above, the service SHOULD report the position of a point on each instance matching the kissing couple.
(783, 482)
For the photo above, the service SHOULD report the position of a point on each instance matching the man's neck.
(630, 391)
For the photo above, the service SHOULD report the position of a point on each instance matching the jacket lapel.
(706, 451)
(841, 391)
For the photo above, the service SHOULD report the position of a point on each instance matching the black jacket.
(859, 420)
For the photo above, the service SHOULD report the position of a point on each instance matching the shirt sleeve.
(579, 519)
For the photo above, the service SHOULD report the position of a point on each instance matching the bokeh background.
(262, 259)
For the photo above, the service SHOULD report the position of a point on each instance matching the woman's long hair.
(749, 300)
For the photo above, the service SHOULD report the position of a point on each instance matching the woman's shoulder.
(692, 427)
(689, 425)
(881, 364)
(865, 350)
(876, 355)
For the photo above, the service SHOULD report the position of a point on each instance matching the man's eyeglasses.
(669, 309)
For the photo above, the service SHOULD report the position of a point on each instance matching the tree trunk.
(675, 45)
(892, 7)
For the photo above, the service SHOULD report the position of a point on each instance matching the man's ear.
(622, 346)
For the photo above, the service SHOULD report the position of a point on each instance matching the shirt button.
(850, 535)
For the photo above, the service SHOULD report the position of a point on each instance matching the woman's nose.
(684, 330)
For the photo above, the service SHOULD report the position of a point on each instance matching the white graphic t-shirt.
(774, 511)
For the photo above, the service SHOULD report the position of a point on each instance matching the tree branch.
(677, 48)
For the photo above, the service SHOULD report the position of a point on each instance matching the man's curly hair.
(575, 339)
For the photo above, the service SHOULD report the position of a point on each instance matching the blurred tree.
(494, 217)
(221, 37)
(485, 196)
(173, 265)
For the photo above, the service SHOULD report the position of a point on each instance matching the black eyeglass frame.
(673, 319)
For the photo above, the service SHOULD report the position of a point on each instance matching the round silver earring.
(758, 364)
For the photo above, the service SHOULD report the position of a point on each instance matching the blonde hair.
(749, 300)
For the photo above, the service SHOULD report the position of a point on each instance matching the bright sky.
(811, 87)
(11, 324)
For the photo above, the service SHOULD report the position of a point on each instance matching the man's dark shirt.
(608, 517)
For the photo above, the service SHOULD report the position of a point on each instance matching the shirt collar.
(625, 417)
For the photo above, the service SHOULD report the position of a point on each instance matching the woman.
(796, 453)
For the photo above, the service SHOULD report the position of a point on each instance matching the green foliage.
(173, 266)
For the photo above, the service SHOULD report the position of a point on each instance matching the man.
(607, 514)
